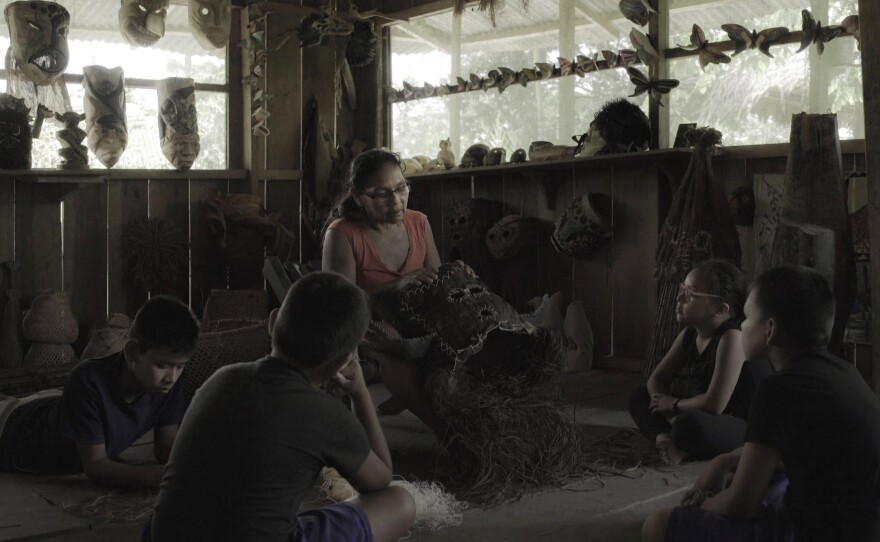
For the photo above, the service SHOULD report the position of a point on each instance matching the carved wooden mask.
(15, 134)
(38, 32)
(104, 104)
(178, 128)
(583, 226)
(209, 22)
(142, 22)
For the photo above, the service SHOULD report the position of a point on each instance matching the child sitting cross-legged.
(810, 466)
(257, 435)
(697, 398)
(107, 404)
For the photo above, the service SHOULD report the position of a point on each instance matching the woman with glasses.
(696, 401)
(382, 246)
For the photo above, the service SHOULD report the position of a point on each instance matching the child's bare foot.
(669, 453)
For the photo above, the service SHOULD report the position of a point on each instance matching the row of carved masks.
(142, 22)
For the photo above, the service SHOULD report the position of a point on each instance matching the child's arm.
(729, 358)
(668, 367)
(163, 440)
(102, 470)
(753, 474)
(375, 472)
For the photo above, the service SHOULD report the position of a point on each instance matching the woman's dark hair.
(165, 323)
(623, 126)
(323, 316)
(800, 300)
(363, 167)
(726, 280)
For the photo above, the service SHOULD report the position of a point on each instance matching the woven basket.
(45, 354)
(222, 348)
(108, 336)
(50, 319)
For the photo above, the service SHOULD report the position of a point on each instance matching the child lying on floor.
(697, 399)
(108, 404)
(815, 416)
(257, 434)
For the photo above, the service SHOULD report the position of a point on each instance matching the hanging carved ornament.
(210, 21)
(581, 228)
(142, 22)
(38, 34)
(178, 127)
(15, 134)
(512, 235)
(104, 104)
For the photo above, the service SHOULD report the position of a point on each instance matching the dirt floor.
(609, 503)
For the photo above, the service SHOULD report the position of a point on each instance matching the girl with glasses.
(696, 400)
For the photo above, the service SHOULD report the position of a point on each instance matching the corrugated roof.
(598, 24)
(99, 19)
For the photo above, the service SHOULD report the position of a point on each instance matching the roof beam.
(603, 24)
(425, 34)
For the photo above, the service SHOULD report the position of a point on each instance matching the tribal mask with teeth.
(142, 22)
(38, 31)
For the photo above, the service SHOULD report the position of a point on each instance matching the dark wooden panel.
(38, 239)
(283, 197)
(7, 220)
(731, 175)
(285, 79)
(169, 199)
(591, 274)
(208, 270)
(85, 253)
(318, 75)
(452, 191)
(635, 196)
(126, 202)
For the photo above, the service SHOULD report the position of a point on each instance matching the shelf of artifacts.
(57, 176)
(537, 166)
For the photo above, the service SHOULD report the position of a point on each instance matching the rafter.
(602, 23)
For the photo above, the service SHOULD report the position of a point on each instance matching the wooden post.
(869, 15)
(658, 27)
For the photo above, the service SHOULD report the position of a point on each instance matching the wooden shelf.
(99, 175)
(549, 165)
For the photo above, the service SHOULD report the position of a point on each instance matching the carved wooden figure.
(142, 22)
(178, 128)
(38, 35)
(104, 104)
(209, 22)
(74, 155)
(15, 136)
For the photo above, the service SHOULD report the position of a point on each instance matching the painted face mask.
(582, 227)
(142, 22)
(209, 22)
(15, 135)
(104, 104)
(178, 129)
(512, 235)
(38, 32)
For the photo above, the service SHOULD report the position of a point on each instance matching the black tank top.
(696, 372)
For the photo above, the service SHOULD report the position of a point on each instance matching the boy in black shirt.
(815, 415)
(257, 434)
(108, 404)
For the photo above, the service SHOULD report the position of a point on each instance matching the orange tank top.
(371, 271)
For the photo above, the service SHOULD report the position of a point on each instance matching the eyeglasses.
(687, 294)
(401, 190)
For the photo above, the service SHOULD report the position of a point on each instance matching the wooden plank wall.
(616, 282)
(70, 237)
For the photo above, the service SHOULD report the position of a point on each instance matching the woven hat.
(107, 336)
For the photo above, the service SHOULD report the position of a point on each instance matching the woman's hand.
(467, 269)
(662, 404)
(425, 275)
